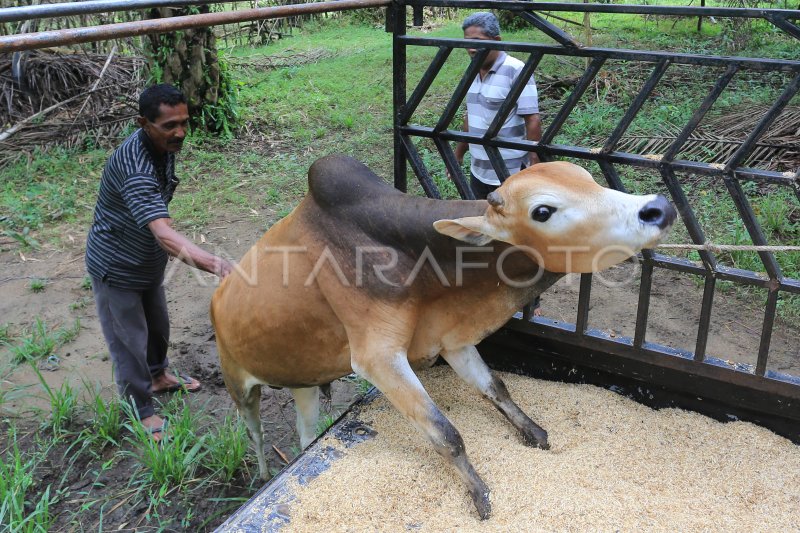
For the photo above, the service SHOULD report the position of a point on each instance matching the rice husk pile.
(614, 465)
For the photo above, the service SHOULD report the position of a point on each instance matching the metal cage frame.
(740, 392)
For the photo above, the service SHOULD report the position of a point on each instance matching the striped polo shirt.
(484, 99)
(135, 189)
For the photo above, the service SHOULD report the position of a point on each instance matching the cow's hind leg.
(470, 367)
(394, 378)
(248, 401)
(306, 402)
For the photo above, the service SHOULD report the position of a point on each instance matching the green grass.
(63, 406)
(227, 446)
(37, 285)
(5, 334)
(20, 510)
(105, 418)
(326, 421)
(80, 303)
(46, 190)
(42, 341)
(173, 461)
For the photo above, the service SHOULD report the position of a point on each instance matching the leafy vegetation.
(20, 510)
(37, 284)
(42, 341)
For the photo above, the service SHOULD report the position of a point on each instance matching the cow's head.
(566, 221)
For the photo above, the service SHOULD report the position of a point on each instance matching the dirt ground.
(673, 321)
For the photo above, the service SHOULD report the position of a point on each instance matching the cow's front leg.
(470, 367)
(393, 376)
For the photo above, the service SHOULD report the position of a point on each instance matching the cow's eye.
(542, 213)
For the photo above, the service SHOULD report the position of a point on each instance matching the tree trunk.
(187, 59)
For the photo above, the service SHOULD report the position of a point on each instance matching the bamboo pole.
(45, 39)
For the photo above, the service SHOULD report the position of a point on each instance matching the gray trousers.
(135, 325)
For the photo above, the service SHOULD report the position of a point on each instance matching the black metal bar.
(611, 175)
(687, 215)
(417, 17)
(572, 100)
(612, 8)
(584, 297)
(454, 169)
(783, 100)
(643, 308)
(425, 83)
(701, 111)
(782, 23)
(766, 332)
(527, 312)
(550, 29)
(704, 323)
(625, 158)
(399, 73)
(462, 88)
(421, 171)
(752, 225)
(67, 9)
(45, 39)
(636, 105)
(736, 275)
(655, 354)
(757, 64)
(513, 95)
(497, 162)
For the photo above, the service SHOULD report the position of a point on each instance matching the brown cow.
(361, 277)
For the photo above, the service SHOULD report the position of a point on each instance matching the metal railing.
(68, 9)
(45, 39)
(782, 391)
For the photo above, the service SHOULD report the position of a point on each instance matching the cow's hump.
(339, 180)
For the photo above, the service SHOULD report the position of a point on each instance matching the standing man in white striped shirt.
(484, 98)
(486, 94)
(127, 248)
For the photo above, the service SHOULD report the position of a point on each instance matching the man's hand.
(447, 170)
(533, 132)
(222, 267)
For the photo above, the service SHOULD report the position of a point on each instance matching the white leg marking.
(306, 402)
(467, 363)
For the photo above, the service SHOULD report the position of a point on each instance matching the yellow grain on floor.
(614, 465)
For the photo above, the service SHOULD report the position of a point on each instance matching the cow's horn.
(495, 199)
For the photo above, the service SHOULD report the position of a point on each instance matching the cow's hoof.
(536, 437)
(481, 501)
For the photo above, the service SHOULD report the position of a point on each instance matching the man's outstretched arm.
(177, 245)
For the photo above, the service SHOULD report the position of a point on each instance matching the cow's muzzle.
(658, 212)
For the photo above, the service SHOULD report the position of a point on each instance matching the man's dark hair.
(484, 20)
(151, 99)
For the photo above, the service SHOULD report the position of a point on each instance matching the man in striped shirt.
(484, 98)
(127, 249)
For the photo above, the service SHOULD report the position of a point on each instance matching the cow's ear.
(473, 230)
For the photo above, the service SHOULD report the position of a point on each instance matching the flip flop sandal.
(160, 431)
(184, 380)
